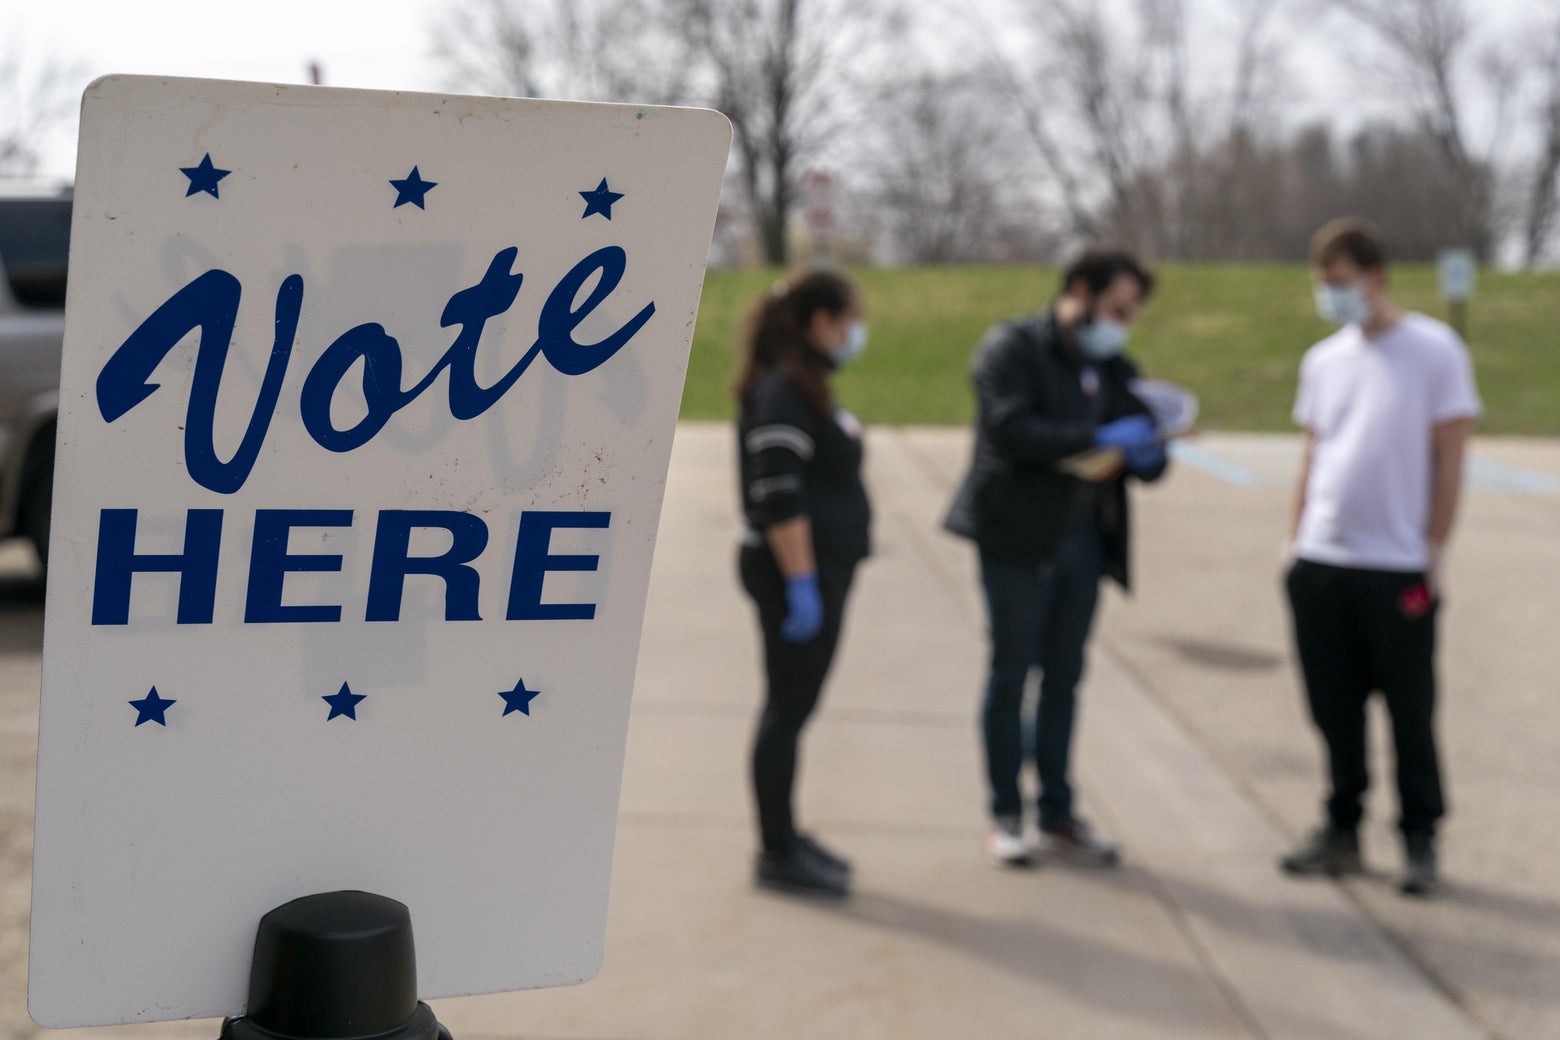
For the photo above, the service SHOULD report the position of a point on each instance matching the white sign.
(1457, 271)
(366, 411)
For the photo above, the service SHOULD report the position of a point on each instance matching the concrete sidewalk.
(1197, 937)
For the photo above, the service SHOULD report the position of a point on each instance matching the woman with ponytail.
(807, 527)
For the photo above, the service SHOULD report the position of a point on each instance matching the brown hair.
(1349, 238)
(777, 336)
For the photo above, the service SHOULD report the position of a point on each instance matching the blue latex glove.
(1133, 432)
(804, 609)
(1146, 459)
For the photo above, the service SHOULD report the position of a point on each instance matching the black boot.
(1331, 850)
(797, 872)
(1420, 873)
(824, 855)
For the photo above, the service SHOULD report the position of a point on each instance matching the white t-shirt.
(1372, 404)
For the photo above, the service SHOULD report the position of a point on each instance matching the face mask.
(1101, 339)
(855, 344)
(1342, 304)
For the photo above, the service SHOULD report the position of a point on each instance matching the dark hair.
(1350, 238)
(1097, 268)
(777, 337)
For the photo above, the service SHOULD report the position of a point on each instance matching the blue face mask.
(1342, 304)
(1101, 339)
(855, 344)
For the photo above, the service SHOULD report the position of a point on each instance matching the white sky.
(386, 44)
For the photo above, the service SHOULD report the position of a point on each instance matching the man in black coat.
(1051, 387)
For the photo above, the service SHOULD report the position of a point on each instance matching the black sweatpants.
(1359, 631)
(794, 675)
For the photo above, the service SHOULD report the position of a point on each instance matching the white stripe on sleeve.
(762, 489)
(780, 436)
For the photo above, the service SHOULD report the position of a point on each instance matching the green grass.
(1233, 333)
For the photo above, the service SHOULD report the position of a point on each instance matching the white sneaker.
(1006, 844)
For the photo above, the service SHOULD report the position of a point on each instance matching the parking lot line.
(1531, 481)
(1212, 465)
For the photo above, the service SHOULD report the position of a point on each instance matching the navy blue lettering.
(533, 560)
(270, 563)
(555, 330)
(470, 309)
(381, 356)
(117, 562)
(208, 303)
(393, 562)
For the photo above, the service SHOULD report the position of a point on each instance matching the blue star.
(600, 200)
(203, 177)
(412, 189)
(151, 708)
(343, 702)
(518, 699)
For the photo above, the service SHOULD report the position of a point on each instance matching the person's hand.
(1433, 570)
(1129, 434)
(804, 609)
(1146, 459)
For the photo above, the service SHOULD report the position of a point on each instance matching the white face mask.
(1342, 304)
(1101, 339)
(855, 343)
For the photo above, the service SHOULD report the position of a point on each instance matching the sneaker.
(1077, 842)
(798, 873)
(1329, 850)
(829, 858)
(1006, 844)
(1420, 875)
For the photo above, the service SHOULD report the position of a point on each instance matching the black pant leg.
(794, 677)
(1400, 629)
(1334, 664)
(1071, 597)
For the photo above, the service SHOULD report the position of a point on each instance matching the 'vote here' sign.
(365, 417)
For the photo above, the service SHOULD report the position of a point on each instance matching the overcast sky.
(385, 44)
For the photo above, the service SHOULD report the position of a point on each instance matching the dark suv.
(34, 245)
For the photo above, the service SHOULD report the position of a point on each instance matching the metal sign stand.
(335, 966)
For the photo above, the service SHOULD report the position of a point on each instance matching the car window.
(34, 246)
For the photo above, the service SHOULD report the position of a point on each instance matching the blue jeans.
(1039, 618)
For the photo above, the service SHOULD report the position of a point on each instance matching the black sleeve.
(1008, 413)
(778, 444)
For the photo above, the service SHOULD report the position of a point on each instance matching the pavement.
(1193, 752)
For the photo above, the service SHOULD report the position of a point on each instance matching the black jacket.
(794, 462)
(1034, 412)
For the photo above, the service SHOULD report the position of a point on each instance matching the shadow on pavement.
(1223, 656)
(1336, 934)
(1506, 905)
(1096, 973)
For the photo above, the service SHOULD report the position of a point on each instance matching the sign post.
(366, 409)
(1457, 272)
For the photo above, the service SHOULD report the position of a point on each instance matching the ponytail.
(777, 338)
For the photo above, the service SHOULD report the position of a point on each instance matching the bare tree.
(943, 168)
(1427, 45)
(1543, 195)
(588, 50)
(35, 98)
(1239, 185)
(781, 72)
(1140, 143)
